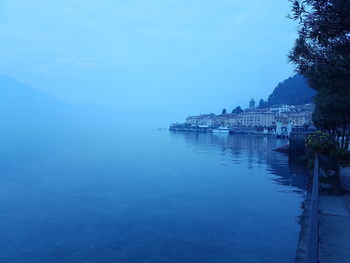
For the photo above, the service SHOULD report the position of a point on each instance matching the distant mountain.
(21, 103)
(293, 90)
(25, 109)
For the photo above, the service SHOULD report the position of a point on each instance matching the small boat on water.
(224, 130)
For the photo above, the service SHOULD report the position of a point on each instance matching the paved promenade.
(334, 228)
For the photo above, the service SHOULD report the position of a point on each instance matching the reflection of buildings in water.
(254, 150)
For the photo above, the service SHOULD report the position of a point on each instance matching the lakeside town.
(277, 120)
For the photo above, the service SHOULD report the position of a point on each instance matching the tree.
(332, 113)
(263, 104)
(223, 111)
(321, 53)
(252, 104)
(237, 110)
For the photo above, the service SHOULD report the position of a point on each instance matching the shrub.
(321, 142)
(342, 155)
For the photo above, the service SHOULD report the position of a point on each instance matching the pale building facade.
(226, 120)
(300, 119)
(206, 119)
(253, 119)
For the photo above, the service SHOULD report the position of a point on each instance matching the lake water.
(148, 196)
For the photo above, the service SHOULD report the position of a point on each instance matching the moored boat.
(225, 130)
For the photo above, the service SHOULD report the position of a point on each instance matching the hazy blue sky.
(166, 57)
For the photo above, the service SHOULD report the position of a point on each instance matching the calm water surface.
(147, 196)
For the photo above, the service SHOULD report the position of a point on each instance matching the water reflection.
(147, 197)
(253, 150)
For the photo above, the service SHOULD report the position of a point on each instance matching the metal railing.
(313, 234)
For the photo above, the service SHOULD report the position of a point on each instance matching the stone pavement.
(334, 228)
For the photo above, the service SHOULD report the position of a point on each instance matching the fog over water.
(148, 60)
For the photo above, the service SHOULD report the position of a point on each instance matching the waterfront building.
(204, 119)
(301, 118)
(226, 120)
(256, 119)
(283, 129)
(259, 110)
(283, 119)
(282, 108)
(309, 107)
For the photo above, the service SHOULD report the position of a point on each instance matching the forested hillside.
(293, 90)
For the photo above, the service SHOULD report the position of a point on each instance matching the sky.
(159, 60)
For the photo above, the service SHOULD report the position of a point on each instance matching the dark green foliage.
(332, 109)
(322, 50)
(320, 142)
(224, 111)
(321, 53)
(237, 110)
(263, 104)
(294, 91)
(343, 156)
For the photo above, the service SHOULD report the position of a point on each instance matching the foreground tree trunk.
(347, 138)
(343, 136)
